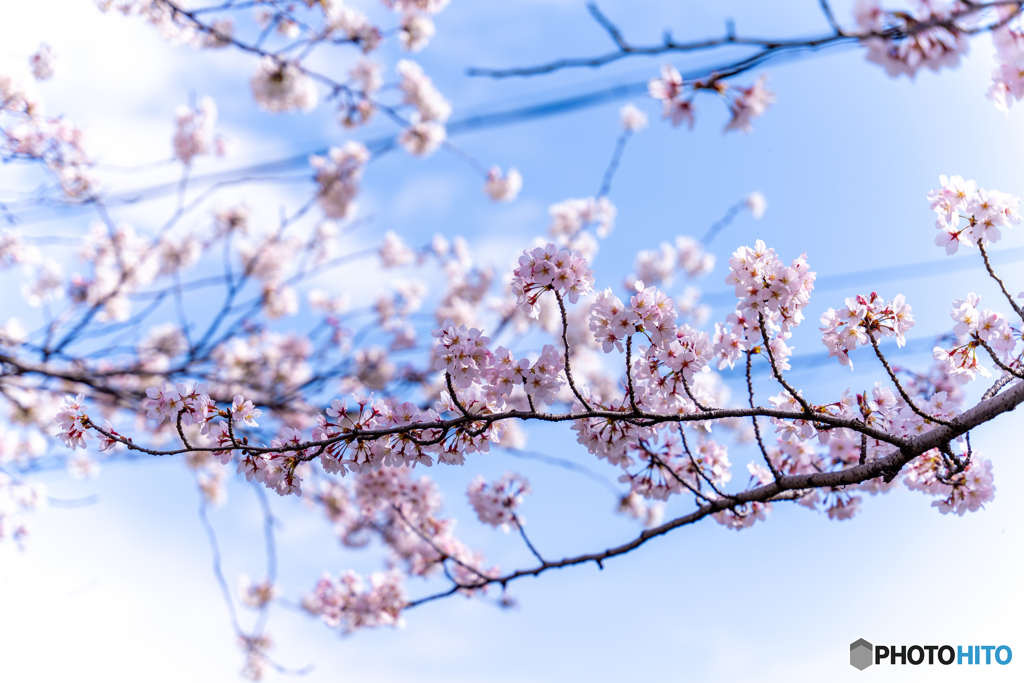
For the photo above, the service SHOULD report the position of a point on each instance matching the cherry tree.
(198, 335)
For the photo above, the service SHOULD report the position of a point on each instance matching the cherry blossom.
(71, 419)
(503, 189)
(352, 602)
(419, 91)
(1008, 77)
(354, 25)
(669, 89)
(572, 215)
(768, 288)
(422, 138)
(395, 252)
(756, 204)
(864, 317)
(748, 104)
(632, 118)
(194, 134)
(985, 212)
(338, 175)
(496, 503)
(43, 63)
(938, 44)
(462, 353)
(416, 32)
(550, 268)
(256, 595)
(282, 87)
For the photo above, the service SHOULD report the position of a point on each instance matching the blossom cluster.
(850, 327)
(27, 133)
(1008, 76)
(658, 266)
(495, 503)
(573, 215)
(190, 404)
(353, 25)
(984, 210)
(768, 287)
(503, 188)
(417, 27)
(427, 131)
(463, 354)
(280, 86)
(745, 104)
(404, 513)
(749, 103)
(669, 91)
(550, 268)
(193, 135)
(256, 595)
(650, 311)
(351, 602)
(965, 491)
(338, 175)
(71, 418)
(980, 327)
(633, 505)
(926, 38)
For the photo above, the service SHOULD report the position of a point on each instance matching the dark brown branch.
(777, 372)
(992, 273)
(787, 487)
(526, 540)
(629, 374)
(995, 358)
(753, 418)
(565, 343)
(899, 387)
(767, 47)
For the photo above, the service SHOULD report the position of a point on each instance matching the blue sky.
(123, 590)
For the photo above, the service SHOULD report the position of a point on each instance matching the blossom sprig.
(184, 403)
(966, 490)
(193, 135)
(338, 175)
(495, 503)
(659, 266)
(934, 36)
(985, 212)
(745, 104)
(503, 188)
(352, 602)
(980, 330)
(1008, 76)
(864, 318)
(768, 289)
(550, 269)
(650, 312)
(73, 422)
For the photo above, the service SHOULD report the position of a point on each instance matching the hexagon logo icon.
(861, 654)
